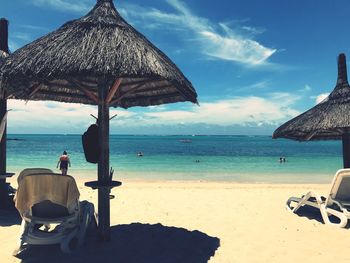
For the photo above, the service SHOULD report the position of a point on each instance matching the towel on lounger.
(57, 188)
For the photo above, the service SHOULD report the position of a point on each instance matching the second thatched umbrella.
(101, 60)
(328, 120)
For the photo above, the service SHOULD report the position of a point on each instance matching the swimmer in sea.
(63, 162)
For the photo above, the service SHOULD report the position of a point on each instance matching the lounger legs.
(23, 231)
(65, 244)
(87, 218)
(87, 215)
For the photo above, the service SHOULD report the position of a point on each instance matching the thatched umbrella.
(101, 60)
(328, 120)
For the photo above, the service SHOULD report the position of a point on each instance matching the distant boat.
(140, 154)
(185, 140)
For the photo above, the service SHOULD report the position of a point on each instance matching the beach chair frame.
(332, 205)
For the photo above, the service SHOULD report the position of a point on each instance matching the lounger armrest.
(340, 204)
(325, 212)
(332, 201)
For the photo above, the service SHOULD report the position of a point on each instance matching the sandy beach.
(240, 222)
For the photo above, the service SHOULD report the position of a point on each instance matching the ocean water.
(208, 158)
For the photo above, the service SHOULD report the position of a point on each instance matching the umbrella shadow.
(9, 217)
(313, 213)
(134, 243)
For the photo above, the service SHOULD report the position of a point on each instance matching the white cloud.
(236, 48)
(48, 117)
(307, 88)
(65, 5)
(239, 110)
(215, 40)
(321, 97)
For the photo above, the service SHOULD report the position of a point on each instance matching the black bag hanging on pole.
(90, 144)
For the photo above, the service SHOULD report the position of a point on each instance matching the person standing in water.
(63, 162)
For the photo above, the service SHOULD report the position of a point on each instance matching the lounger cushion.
(343, 193)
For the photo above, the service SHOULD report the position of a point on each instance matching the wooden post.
(103, 164)
(3, 186)
(346, 149)
(342, 72)
(4, 35)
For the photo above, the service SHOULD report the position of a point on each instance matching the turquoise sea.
(212, 158)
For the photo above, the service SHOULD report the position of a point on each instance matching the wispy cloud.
(22, 36)
(305, 89)
(32, 27)
(263, 84)
(65, 5)
(17, 39)
(13, 45)
(214, 40)
(230, 46)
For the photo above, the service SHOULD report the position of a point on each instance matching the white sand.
(249, 219)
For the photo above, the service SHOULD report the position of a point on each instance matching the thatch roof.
(328, 119)
(68, 64)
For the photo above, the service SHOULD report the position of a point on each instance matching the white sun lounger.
(51, 212)
(336, 204)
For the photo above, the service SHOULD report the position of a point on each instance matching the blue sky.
(255, 64)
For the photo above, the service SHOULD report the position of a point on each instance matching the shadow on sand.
(313, 213)
(134, 243)
(9, 217)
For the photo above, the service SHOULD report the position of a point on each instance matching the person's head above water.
(64, 153)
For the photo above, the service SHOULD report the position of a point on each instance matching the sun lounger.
(336, 204)
(51, 211)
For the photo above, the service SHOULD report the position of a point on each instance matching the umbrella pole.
(103, 165)
(346, 149)
(3, 186)
(4, 197)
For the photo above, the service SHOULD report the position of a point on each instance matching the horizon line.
(125, 134)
